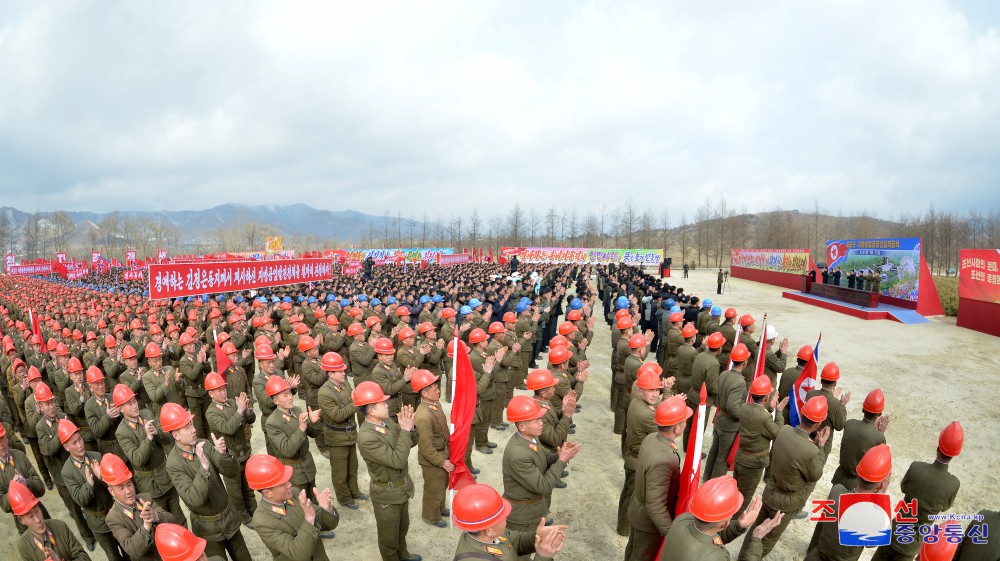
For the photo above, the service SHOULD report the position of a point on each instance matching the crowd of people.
(868, 280)
(123, 411)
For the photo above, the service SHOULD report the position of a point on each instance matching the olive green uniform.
(161, 387)
(651, 509)
(757, 429)
(17, 462)
(486, 394)
(529, 475)
(859, 437)
(640, 424)
(386, 450)
(732, 396)
(686, 354)
(60, 538)
(291, 446)
(314, 377)
(102, 426)
(286, 533)
(705, 370)
(362, 361)
(129, 531)
(225, 420)
(341, 433)
(55, 455)
(684, 542)
(511, 545)
(147, 459)
(94, 500)
(432, 452)
(194, 373)
(934, 489)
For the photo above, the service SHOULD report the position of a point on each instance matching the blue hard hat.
(376, 302)
(287, 299)
(300, 299)
(437, 299)
(190, 298)
(716, 311)
(239, 299)
(675, 309)
(706, 303)
(475, 303)
(220, 297)
(424, 299)
(391, 300)
(312, 300)
(521, 306)
(576, 304)
(670, 302)
(204, 297)
(145, 292)
(275, 299)
(345, 303)
(330, 298)
(465, 310)
(362, 298)
(621, 303)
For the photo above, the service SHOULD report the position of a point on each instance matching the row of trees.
(703, 239)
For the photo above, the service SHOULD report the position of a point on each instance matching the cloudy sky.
(442, 106)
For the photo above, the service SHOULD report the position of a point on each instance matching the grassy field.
(947, 288)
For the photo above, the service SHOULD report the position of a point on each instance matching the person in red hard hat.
(432, 447)
(931, 486)
(872, 477)
(481, 513)
(789, 376)
(15, 466)
(134, 516)
(193, 367)
(389, 376)
(797, 462)
(287, 432)
(162, 383)
(226, 417)
(45, 538)
(340, 430)
(732, 397)
(176, 543)
(758, 428)
(705, 370)
(657, 466)
(861, 435)
(703, 531)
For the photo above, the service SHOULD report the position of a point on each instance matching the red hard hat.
(275, 385)
(761, 385)
(739, 353)
(425, 327)
(574, 315)
(831, 372)
(540, 379)
(372, 320)
(51, 345)
(558, 341)
(637, 341)
(815, 409)
(689, 331)
(355, 329)
(22, 500)
(368, 392)
(121, 395)
(214, 381)
(302, 329)
(510, 317)
(625, 323)
(113, 470)
(402, 311)
(405, 333)
(94, 375)
(74, 365)
(565, 328)
(672, 411)
(477, 335)
(285, 306)
(135, 324)
(66, 332)
(173, 416)
(875, 402)
(128, 352)
(648, 377)
(177, 543)
(951, 439)
(228, 348)
(423, 378)
(559, 355)
(355, 311)
(66, 429)
(153, 350)
(523, 408)
(306, 343)
(186, 339)
(622, 313)
(62, 350)
(496, 327)
(805, 353)
(110, 342)
(333, 362)
(91, 336)
(448, 313)
(332, 320)
(451, 348)
(941, 549)
(676, 317)
(876, 464)
(716, 340)
(746, 320)
(43, 393)
(215, 313)
(383, 346)
(730, 313)
(263, 352)
(154, 329)
(716, 500)
(478, 507)
(264, 471)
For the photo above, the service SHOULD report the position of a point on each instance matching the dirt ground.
(926, 371)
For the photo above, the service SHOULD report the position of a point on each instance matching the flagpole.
(451, 424)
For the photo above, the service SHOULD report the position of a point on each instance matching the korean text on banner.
(795, 261)
(189, 279)
(979, 275)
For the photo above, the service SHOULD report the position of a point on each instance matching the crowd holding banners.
(278, 334)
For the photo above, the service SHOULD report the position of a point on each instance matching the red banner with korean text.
(176, 280)
(979, 275)
(132, 275)
(34, 269)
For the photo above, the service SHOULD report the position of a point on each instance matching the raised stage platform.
(883, 311)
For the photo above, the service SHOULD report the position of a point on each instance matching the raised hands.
(568, 451)
(242, 401)
(219, 443)
(549, 539)
(406, 416)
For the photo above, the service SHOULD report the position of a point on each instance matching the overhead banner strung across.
(582, 255)
(411, 255)
(176, 280)
(979, 275)
(795, 261)
(896, 260)
(456, 259)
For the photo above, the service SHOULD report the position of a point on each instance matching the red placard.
(189, 279)
(455, 259)
(133, 275)
(979, 275)
(36, 269)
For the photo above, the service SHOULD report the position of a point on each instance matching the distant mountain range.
(289, 220)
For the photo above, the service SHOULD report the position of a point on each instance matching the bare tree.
(532, 226)
(475, 227)
(551, 217)
(628, 220)
(515, 224)
(573, 226)
(703, 230)
(591, 230)
(7, 238)
(646, 227)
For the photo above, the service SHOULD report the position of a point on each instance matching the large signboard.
(456, 259)
(794, 261)
(979, 275)
(582, 255)
(896, 260)
(189, 279)
(393, 255)
(35, 269)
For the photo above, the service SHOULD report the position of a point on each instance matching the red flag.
(757, 371)
(222, 361)
(463, 410)
(491, 255)
(691, 473)
(805, 382)
(35, 329)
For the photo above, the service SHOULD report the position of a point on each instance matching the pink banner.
(454, 259)
(189, 279)
(36, 269)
